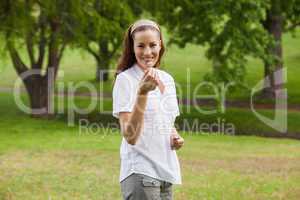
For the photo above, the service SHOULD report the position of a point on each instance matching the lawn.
(49, 160)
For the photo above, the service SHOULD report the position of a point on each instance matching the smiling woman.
(144, 101)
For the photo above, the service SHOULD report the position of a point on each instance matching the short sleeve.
(123, 98)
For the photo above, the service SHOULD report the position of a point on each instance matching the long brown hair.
(127, 58)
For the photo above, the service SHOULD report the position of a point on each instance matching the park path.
(196, 102)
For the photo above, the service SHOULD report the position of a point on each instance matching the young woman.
(144, 101)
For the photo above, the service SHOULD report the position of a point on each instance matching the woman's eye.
(153, 45)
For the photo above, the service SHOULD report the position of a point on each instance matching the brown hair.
(127, 58)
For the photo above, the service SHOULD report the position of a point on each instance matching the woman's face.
(147, 45)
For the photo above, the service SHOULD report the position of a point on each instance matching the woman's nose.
(147, 51)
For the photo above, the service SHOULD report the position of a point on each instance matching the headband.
(144, 22)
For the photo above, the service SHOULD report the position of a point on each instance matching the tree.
(103, 33)
(232, 30)
(281, 16)
(42, 29)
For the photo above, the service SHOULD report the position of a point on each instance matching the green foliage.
(232, 30)
(94, 25)
(105, 20)
(102, 32)
(41, 28)
(21, 19)
(291, 13)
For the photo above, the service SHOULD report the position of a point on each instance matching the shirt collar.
(138, 71)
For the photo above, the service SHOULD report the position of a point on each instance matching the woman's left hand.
(176, 140)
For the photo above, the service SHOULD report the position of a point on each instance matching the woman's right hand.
(149, 81)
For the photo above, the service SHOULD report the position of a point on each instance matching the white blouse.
(152, 154)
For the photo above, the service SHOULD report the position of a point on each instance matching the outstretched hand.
(149, 81)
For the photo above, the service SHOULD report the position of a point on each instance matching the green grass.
(42, 159)
(78, 66)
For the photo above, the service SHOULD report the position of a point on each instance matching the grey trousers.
(142, 187)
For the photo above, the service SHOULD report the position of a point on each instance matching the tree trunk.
(39, 87)
(103, 61)
(273, 25)
(217, 70)
(40, 92)
(102, 73)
